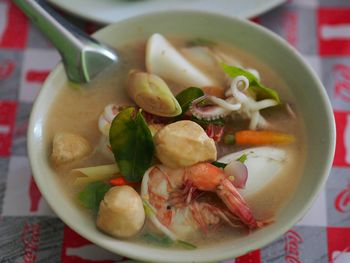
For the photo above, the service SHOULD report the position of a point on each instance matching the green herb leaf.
(220, 121)
(188, 95)
(157, 240)
(200, 42)
(185, 244)
(219, 164)
(242, 158)
(92, 195)
(132, 144)
(260, 90)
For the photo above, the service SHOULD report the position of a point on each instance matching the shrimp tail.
(237, 205)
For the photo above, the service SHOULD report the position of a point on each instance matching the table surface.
(30, 231)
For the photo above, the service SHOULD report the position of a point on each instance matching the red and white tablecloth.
(30, 231)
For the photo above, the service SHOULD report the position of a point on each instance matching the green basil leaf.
(132, 144)
(236, 71)
(200, 42)
(219, 164)
(260, 90)
(92, 195)
(188, 95)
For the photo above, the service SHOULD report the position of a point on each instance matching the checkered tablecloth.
(30, 231)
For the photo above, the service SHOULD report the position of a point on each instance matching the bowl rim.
(229, 254)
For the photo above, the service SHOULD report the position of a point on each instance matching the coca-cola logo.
(30, 239)
(342, 201)
(6, 69)
(341, 74)
(37, 76)
(292, 239)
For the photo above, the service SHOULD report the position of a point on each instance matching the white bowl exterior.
(312, 101)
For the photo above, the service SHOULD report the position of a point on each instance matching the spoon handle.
(82, 55)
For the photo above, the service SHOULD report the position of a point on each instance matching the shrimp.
(186, 199)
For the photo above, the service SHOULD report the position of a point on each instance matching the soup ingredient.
(165, 61)
(106, 118)
(180, 200)
(264, 164)
(69, 147)
(184, 143)
(186, 97)
(121, 212)
(132, 143)
(96, 173)
(238, 171)
(210, 107)
(249, 137)
(175, 214)
(237, 100)
(260, 90)
(91, 196)
(152, 94)
(119, 181)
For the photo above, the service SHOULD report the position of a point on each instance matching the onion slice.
(238, 171)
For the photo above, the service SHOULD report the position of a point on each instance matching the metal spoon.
(83, 57)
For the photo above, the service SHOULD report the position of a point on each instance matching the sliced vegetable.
(152, 94)
(200, 42)
(188, 95)
(92, 195)
(260, 90)
(132, 144)
(96, 173)
(238, 171)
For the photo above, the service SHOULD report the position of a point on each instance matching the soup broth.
(77, 110)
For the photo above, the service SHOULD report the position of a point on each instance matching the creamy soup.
(265, 168)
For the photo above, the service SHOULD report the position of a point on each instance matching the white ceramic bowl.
(312, 102)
